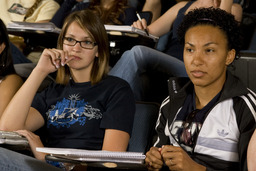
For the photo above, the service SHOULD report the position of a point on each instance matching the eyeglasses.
(186, 135)
(84, 44)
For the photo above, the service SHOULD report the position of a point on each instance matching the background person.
(25, 11)
(10, 82)
(110, 11)
(28, 11)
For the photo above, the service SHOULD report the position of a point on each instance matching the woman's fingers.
(140, 24)
(58, 57)
(154, 159)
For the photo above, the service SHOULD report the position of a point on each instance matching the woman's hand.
(224, 5)
(34, 141)
(52, 59)
(154, 159)
(140, 24)
(177, 159)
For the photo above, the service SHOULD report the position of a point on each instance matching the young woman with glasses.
(207, 120)
(85, 108)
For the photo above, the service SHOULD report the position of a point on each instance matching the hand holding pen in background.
(138, 15)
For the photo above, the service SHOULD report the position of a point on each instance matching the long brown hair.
(111, 15)
(92, 24)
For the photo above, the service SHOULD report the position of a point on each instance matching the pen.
(138, 15)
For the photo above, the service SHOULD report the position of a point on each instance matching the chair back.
(143, 127)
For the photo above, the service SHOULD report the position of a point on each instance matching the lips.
(197, 73)
(76, 57)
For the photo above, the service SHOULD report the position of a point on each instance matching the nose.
(77, 46)
(197, 58)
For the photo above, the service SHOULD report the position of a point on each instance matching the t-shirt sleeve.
(47, 11)
(120, 109)
(40, 104)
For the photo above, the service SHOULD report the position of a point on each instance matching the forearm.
(115, 140)
(154, 6)
(16, 113)
(150, 4)
(237, 11)
(251, 154)
(164, 23)
(8, 88)
(226, 5)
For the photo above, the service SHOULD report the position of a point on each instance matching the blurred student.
(27, 11)
(10, 82)
(110, 11)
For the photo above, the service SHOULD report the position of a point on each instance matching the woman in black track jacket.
(207, 120)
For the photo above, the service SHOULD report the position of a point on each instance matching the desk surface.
(37, 38)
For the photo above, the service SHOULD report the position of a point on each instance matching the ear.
(97, 54)
(231, 56)
(2, 47)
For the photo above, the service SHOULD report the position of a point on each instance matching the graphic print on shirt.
(185, 137)
(18, 9)
(70, 111)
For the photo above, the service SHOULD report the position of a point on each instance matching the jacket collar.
(180, 87)
(233, 87)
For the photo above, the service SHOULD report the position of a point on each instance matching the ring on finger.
(171, 162)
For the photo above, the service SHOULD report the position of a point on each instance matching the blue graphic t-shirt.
(77, 115)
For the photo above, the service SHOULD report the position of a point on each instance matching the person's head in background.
(6, 63)
(211, 39)
(93, 45)
(109, 10)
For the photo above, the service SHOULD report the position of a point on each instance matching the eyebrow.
(71, 35)
(205, 45)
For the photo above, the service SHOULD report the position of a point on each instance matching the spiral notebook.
(94, 155)
(124, 29)
(13, 140)
(48, 27)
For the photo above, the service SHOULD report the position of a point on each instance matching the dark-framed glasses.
(189, 134)
(86, 44)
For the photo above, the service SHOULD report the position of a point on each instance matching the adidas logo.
(222, 133)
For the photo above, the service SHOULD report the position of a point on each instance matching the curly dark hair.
(110, 16)
(217, 18)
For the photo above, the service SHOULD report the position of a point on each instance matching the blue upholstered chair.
(143, 127)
